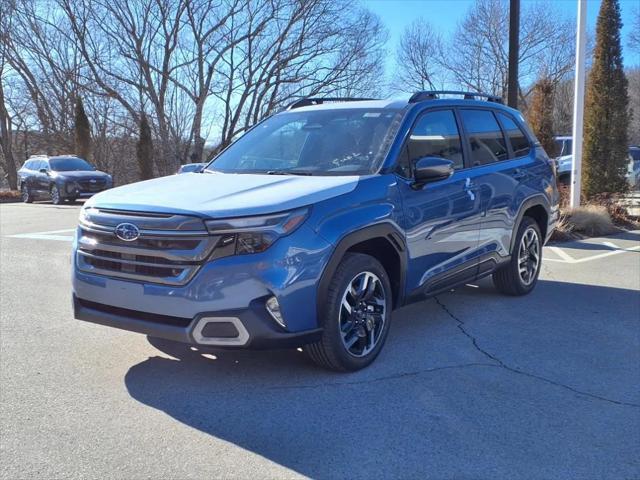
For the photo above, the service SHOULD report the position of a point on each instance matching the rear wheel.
(357, 316)
(520, 275)
(27, 196)
(56, 199)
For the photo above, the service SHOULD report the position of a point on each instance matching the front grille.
(92, 185)
(168, 251)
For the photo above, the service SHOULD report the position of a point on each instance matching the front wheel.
(520, 275)
(27, 196)
(357, 315)
(56, 199)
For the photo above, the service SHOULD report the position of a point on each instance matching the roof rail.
(435, 94)
(305, 102)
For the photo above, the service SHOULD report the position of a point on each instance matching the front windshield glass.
(69, 164)
(317, 142)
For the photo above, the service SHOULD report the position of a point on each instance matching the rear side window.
(519, 142)
(485, 137)
(435, 134)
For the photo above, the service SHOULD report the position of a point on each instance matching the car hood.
(219, 195)
(80, 174)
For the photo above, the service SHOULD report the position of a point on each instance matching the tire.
(56, 198)
(510, 279)
(27, 196)
(71, 200)
(366, 327)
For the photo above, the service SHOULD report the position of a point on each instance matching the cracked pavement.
(471, 384)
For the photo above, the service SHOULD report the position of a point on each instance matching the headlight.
(256, 234)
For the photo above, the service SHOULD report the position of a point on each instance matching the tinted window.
(519, 142)
(68, 164)
(485, 137)
(435, 134)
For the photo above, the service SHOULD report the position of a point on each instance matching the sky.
(445, 14)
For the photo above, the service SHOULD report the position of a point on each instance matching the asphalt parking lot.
(471, 384)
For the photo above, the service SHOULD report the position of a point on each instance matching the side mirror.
(432, 169)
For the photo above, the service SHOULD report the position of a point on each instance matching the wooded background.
(203, 71)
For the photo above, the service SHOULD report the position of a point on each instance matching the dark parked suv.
(60, 178)
(318, 222)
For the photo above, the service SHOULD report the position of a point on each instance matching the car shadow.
(432, 402)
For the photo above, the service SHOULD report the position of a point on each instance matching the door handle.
(468, 184)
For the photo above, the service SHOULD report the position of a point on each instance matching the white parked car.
(564, 162)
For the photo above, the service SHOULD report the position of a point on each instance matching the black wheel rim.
(363, 314)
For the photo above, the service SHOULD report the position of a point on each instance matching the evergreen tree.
(82, 132)
(144, 149)
(606, 109)
(540, 114)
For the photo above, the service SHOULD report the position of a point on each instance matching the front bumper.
(229, 292)
(248, 328)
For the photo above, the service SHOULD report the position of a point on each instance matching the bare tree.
(416, 64)
(200, 69)
(476, 56)
(6, 135)
(292, 49)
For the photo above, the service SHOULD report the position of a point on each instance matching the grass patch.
(602, 215)
(7, 196)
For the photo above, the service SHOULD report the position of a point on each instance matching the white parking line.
(561, 253)
(566, 258)
(49, 235)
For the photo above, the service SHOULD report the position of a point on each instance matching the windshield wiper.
(289, 172)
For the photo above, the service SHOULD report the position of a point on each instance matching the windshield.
(68, 164)
(563, 146)
(318, 142)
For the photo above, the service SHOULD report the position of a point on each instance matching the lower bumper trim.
(255, 329)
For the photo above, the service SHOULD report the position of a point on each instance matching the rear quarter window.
(519, 141)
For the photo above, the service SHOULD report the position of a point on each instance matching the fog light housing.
(273, 307)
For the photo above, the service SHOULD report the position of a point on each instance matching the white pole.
(578, 104)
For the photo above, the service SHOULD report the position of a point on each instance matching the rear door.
(441, 219)
(501, 157)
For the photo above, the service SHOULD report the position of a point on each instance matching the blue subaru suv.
(318, 222)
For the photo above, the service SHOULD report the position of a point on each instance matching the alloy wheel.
(55, 195)
(363, 313)
(529, 256)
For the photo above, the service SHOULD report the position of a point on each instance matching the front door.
(441, 219)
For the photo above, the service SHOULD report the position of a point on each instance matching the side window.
(435, 134)
(519, 142)
(485, 137)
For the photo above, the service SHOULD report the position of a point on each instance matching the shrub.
(591, 220)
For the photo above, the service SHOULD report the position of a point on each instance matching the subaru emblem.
(93, 180)
(127, 232)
